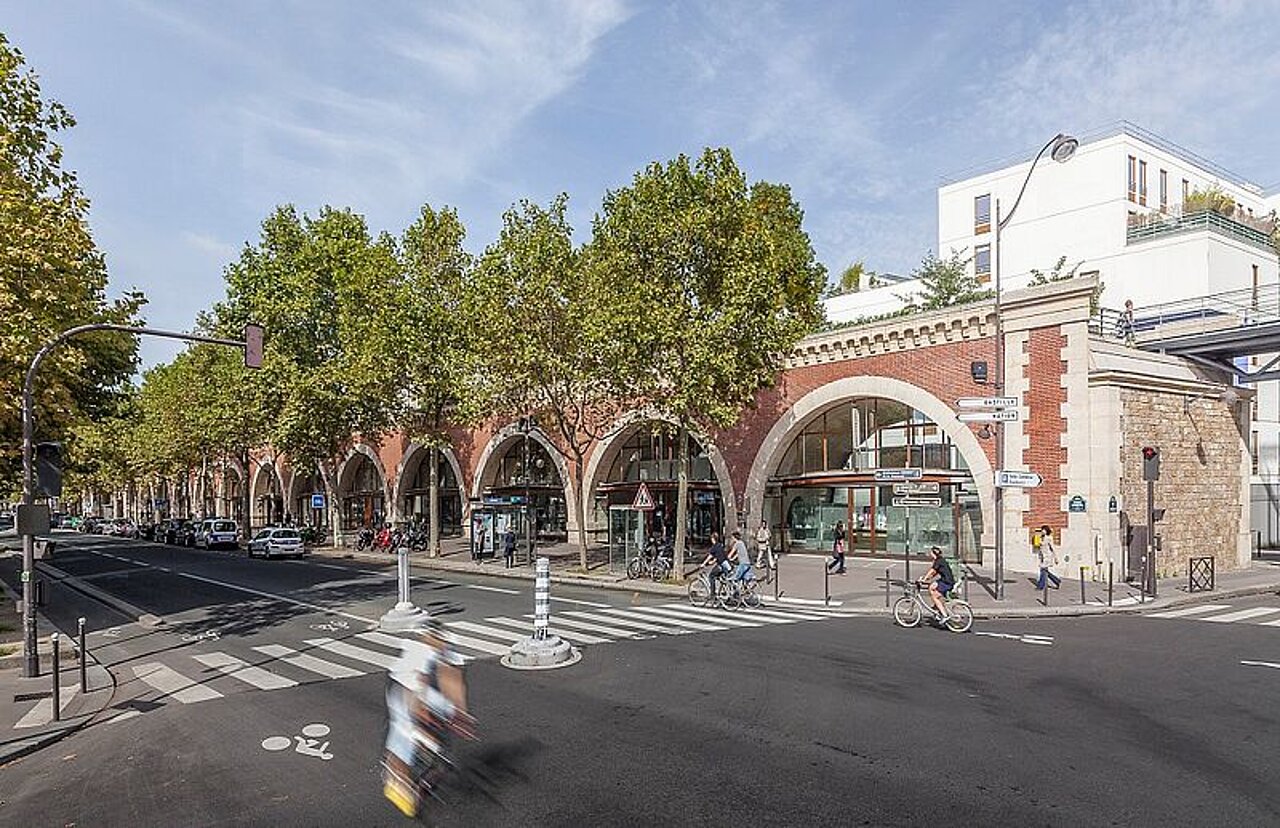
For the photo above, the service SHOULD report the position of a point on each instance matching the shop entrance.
(627, 535)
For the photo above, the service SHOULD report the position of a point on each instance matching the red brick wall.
(1045, 426)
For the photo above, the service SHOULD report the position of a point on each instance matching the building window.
(1133, 178)
(982, 260)
(982, 213)
(1142, 183)
(1164, 190)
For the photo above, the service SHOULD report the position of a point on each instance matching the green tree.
(1058, 273)
(1212, 198)
(557, 348)
(728, 282)
(52, 277)
(315, 285)
(946, 282)
(852, 278)
(423, 330)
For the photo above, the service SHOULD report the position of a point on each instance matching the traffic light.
(48, 463)
(1150, 463)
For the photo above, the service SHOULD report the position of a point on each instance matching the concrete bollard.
(543, 650)
(405, 615)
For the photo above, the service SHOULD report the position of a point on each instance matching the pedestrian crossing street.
(193, 677)
(1224, 614)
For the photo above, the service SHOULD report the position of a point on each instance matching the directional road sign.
(917, 501)
(895, 475)
(919, 488)
(1018, 480)
(998, 415)
(988, 402)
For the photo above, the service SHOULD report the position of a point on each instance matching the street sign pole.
(30, 657)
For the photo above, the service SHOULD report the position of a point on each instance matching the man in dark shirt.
(718, 559)
(940, 580)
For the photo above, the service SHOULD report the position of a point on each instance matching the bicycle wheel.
(724, 593)
(635, 568)
(661, 569)
(700, 592)
(906, 612)
(961, 616)
(751, 593)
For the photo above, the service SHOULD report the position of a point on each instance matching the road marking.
(303, 661)
(1261, 664)
(492, 632)
(625, 622)
(561, 618)
(1275, 623)
(120, 717)
(788, 614)
(395, 642)
(493, 589)
(173, 684)
(249, 674)
(351, 651)
(275, 597)
(652, 614)
(1252, 612)
(308, 743)
(1041, 640)
(1183, 613)
(42, 713)
(719, 616)
(581, 603)
(576, 637)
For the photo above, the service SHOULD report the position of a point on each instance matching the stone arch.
(848, 388)
(347, 469)
(258, 487)
(414, 456)
(486, 468)
(627, 424)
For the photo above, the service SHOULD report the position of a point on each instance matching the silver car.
(277, 541)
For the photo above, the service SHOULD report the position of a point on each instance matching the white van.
(219, 532)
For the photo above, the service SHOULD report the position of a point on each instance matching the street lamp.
(1061, 148)
(528, 424)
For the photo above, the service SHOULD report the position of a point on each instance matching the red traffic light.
(1148, 452)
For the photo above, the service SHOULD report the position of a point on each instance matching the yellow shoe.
(401, 797)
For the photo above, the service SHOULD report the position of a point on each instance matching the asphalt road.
(834, 721)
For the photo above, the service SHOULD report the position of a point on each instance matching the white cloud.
(222, 251)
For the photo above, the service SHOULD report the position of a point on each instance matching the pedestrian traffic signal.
(1150, 463)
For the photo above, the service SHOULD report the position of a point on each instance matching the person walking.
(509, 546)
(836, 564)
(1048, 559)
(764, 555)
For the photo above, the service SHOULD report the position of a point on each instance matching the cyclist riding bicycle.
(940, 580)
(741, 557)
(718, 559)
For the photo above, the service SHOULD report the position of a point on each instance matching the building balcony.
(1248, 229)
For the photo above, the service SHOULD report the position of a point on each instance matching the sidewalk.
(802, 580)
(26, 716)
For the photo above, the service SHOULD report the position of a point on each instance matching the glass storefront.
(650, 456)
(417, 496)
(362, 501)
(542, 484)
(827, 476)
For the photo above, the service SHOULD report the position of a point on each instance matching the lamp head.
(1064, 146)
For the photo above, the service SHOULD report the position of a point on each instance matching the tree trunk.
(155, 510)
(682, 502)
(246, 497)
(433, 506)
(330, 497)
(580, 509)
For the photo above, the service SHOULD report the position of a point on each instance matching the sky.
(196, 119)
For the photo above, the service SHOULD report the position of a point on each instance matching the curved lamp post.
(1060, 148)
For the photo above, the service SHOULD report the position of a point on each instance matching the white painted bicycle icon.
(336, 625)
(210, 635)
(308, 744)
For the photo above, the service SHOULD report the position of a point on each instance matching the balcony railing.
(1228, 309)
(1247, 229)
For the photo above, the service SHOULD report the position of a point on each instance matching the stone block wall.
(1200, 486)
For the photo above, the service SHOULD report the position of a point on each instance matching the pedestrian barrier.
(1200, 574)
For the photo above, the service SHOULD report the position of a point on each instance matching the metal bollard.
(1142, 587)
(886, 586)
(84, 657)
(1045, 599)
(1111, 581)
(826, 585)
(57, 696)
(966, 586)
(777, 577)
(542, 599)
(1082, 586)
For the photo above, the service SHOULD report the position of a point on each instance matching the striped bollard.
(405, 615)
(544, 649)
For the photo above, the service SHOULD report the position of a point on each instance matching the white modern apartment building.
(1116, 209)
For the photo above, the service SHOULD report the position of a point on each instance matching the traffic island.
(541, 654)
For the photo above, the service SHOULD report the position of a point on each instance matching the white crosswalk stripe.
(561, 619)
(173, 684)
(342, 648)
(1241, 615)
(627, 622)
(639, 615)
(1189, 611)
(569, 635)
(42, 713)
(712, 616)
(302, 661)
(239, 669)
(683, 619)
(491, 632)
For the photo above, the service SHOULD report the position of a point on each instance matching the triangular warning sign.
(643, 500)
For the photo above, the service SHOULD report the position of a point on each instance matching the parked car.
(6, 521)
(187, 534)
(217, 533)
(173, 530)
(123, 528)
(275, 540)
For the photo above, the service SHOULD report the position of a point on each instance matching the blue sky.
(196, 119)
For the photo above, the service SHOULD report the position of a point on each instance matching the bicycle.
(650, 562)
(700, 594)
(909, 610)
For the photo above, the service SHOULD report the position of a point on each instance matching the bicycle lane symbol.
(308, 744)
(336, 625)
